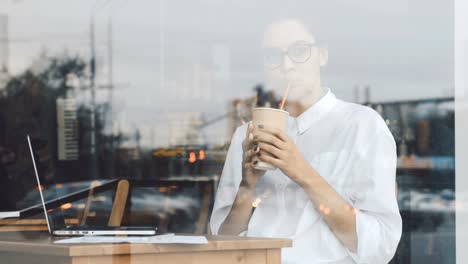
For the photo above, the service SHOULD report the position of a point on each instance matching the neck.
(296, 108)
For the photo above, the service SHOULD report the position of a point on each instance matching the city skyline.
(200, 57)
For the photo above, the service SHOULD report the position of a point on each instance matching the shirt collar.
(315, 112)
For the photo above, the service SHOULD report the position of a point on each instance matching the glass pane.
(160, 93)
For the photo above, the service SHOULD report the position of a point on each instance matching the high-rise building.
(67, 129)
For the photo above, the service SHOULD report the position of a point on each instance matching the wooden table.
(15, 225)
(32, 248)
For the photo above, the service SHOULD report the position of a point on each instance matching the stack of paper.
(12, 214)
(160, 239)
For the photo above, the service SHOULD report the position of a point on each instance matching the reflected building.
(67, 129)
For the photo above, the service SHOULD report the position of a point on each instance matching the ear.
(323, 56)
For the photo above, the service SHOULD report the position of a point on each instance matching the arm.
(238, 218)
(339, 214)
(233, 205)
(370, 227)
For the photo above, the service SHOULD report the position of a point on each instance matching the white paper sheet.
(160, 239)
(12, 214)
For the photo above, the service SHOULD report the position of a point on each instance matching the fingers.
(249, 129)
(261, 136)
(271, 149)
(273, 161)
(251, 159)
(251, 167)
(276, 132)
(248, 155)
(247, 143)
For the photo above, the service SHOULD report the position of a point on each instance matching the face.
(291, 56)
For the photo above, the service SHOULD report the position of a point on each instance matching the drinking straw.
(284, 97)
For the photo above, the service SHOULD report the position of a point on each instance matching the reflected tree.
(28, 107)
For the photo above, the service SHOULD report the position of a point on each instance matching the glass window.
(351, 107)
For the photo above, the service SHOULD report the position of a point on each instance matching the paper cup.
(269, 118)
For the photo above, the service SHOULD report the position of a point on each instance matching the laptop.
(56, 221)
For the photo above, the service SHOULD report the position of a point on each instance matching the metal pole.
(111, 69)
(162, 47)
(92, 36)
(93, 99)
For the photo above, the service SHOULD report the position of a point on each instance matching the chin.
(297, 95)
(294, 99)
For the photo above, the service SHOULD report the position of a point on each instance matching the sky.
(176, 60)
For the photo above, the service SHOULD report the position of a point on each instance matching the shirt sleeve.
(378, 220)
(229, 182)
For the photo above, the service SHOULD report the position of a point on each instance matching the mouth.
(292, 81)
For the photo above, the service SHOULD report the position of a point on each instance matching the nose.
(288, 64)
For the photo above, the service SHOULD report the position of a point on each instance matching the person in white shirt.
(333, 193)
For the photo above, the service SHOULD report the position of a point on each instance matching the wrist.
(248, 185)
(245, 195)
(309, 179)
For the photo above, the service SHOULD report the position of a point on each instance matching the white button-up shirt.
(351, 147)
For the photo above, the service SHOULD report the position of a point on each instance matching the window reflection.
(424, 133)
(171, 87)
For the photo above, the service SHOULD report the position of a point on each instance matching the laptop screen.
(54, 215)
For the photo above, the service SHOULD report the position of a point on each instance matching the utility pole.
(110, 69)
(92, 77)
(111, 89)
(162, 48)
(92, 64)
